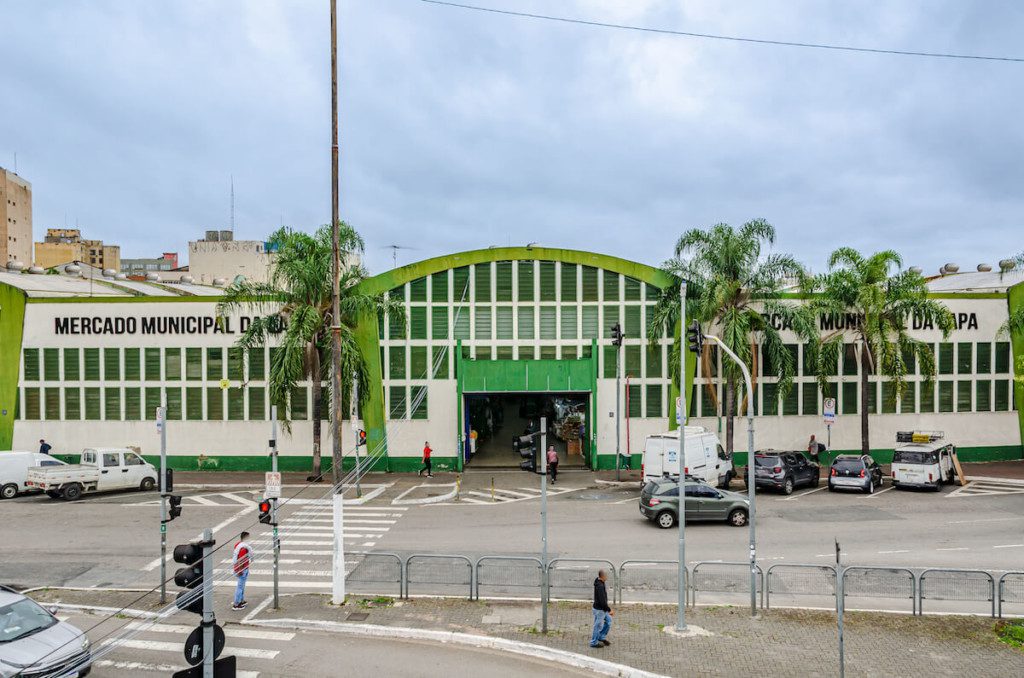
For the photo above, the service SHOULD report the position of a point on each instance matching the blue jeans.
(602, 625)
(240, 589)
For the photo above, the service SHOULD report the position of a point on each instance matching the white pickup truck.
(101, 469)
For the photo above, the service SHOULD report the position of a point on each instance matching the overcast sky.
(462, 130)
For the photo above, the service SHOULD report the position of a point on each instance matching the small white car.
(101, 469)
(922, 459)
(14, 468)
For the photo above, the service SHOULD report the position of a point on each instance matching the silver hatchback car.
(34, 643)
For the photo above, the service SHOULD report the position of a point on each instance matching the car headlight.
(85, 642)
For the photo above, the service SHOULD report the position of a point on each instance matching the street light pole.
(336, 261)
(544, 519)
(681, 603)
(618, 416)
(161, 422)
(273, 504)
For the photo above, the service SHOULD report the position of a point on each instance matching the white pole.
(681, 603)
(273, 504)
(161, 422)
(544, 518)
(338, 579)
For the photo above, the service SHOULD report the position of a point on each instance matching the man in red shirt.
(426, 460)
(240, 564)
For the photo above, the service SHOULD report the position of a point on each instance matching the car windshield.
(848, 465)
(668, 490)
(913, 457)
(23, 618)
(766, 461)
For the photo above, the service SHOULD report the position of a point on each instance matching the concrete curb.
(617, 483)
(401, 501)
(579, 661)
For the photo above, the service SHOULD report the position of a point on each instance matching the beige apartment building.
(64, 245)
(15, 219)
(219, 256)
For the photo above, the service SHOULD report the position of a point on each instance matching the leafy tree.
(733, 288)
(294, 317)
(883, 298)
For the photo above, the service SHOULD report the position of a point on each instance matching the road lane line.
(216, 528)
(981, 520)
(1008, 546)
(958, 548)
(204, 501)
(872, 496)
(166, 646)
(886, 552)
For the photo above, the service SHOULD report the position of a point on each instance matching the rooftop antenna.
(232, 203)
(394, 252)
(15, 162)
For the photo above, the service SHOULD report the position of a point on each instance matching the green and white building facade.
(85, 363)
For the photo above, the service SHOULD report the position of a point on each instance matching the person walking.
(240, 562)
(814, 448)
(553, 463)
(602, 613)
(426, 460)
(44, 447)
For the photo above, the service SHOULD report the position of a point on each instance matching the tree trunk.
(730, 418)
(865, 384)
(317, 396)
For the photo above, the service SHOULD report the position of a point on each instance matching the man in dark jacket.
(602, 613)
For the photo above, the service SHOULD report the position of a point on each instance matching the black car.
(785, 471)
(855, 472)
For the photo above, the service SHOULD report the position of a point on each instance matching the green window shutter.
(526, 353)
(483, 352)
(439, 362)
(963, 358)
(568, 353)
(568, 282)
(257, 364)
(809, 368)
(632, 326)
(152, 364)
(172, 364)
(92, 364)
(257, 403)
(31, 356)
(112, 404)
(51, 364)
(418, 362)
(707, 404)
(652, 293)
(194, 403)
(132, 368)
(503, 322)
(482, 322)
(654, 407)
(963, 396)
(548, 322)
(632, 361)
(526, 325)
(549, 353)
(1002, 395)
(927, 397)
(92, 403)
(591, 322)
(461, 322)
(849, 360)
(396, 402)
(236, 368)
(984, 362)
(873, 397)
(611, 285)
(299, 402)
(193, 364)
(632, 289)
(397, 294)
(214, 364)
(608, 360)
(649, 320)
(236, 404)
(589, 276)
(72, 404)
(946, 358)
(418, 322)
(419, 402)
(111, 364)
(611, 316)
(770, 398)
(439, 287)
(548, 291)
(51, 403)
(214, 403)
(636, 406)
(569, 328)
(983, 395)
(152, 402)
(888, 397)
(460, 286)
(439, 322)
(418, 290)
(524, 285)
(172, 396)
(380, 324)
(1002, 357)
(503, 281)
(945, 396)
(396, 362)
(654, 362)
(790, 402)
(482, 282)
(908, 402)
(850, 398)
(133, 403)
(809, 395)
(396, 326)
(72, 360)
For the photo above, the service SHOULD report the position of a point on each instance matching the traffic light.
(266, 517)
(174, 507)
(360, 438)
(168, 480)
(190, 576)
(694, 337)
(617, 334)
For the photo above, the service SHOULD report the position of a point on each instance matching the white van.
(922, 459)
(705, 457)
(14, 468)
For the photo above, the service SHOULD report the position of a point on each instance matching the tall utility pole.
(681, 602)
(336, 261)
(161, 423)
(273, 504)
(544, 519)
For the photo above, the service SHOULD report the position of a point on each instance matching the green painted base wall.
(884, 456)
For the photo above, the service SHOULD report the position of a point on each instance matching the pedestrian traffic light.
(694, 337)
(360, 438)
(266, 516)
(617, 334)
(190, 576)
(174, 507)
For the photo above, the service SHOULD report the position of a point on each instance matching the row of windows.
(138, 364)
(981, 395)
(525, 281)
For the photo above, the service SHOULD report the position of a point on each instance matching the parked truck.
(100, 469)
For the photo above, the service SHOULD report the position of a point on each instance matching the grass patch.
(379, 601)
(1011, 633)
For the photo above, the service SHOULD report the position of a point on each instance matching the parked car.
(659, 502)
(705, 457)
(14, 468)
(855, 472)
(33, 642)
(100, 470)
(922, 460)
(784, 471)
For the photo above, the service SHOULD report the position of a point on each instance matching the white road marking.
(305, 553)
(216, 528)
(872, 496)
(235, 632)
(283, 585)
(259, 608)
(958, 548)
(166, 646)
(804, 494)
(471, 500)
(204, 501)
(297, 573)
(627, 499)
(1008, 546)
(235, 497)
(887, 552)
(532, 490)
(165, 669)
(981, 520)
(329, 529)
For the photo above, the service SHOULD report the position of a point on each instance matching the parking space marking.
(803, 494)
(888, 552)
(872, 496)
(1008, 546)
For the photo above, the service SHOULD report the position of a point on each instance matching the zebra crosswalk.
(978, 487)
(502, 496)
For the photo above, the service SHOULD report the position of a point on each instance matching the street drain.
(358, 616)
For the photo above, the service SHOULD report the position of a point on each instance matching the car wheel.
(817, 480)
(9, 491)
(71, 492)
(53, 494)
(147, 484)
(871, 487)
(666, 520)
(738, 518)
(831, 487)
(787, 487)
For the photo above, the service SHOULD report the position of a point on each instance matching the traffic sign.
(829, 409)
(273, 483)
(679, 411)
(194, 644)
(161, 414)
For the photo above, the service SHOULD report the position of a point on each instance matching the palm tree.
(295, 316)
(732, 287)
(882, 298)
(1015, 322)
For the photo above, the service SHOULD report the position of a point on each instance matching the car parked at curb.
(659, 503)
(784, 471)
(855, 472)
(33, 642)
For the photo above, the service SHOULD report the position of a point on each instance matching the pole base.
(690, 631)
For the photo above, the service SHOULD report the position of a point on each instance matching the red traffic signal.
(265, 512)
(360, 438)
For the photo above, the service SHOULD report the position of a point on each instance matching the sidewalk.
(780, 643)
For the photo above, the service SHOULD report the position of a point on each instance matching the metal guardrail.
(861, 581)
(708, 576)
(508, 571)
(651, 575)
(576, 582)
(954, 584)
(440, 569)
(799, 580)
(1010, 590)
(379, 568)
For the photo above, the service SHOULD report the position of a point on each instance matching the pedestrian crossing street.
(979, 487)
(503, 496)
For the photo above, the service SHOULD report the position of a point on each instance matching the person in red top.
(426, 460)
(240, 563)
